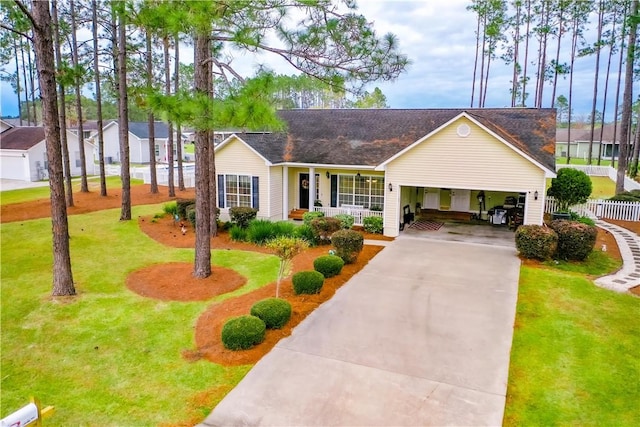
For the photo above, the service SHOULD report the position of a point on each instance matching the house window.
(157, 150)
(77, 156)
(237, 190)
(367, 191)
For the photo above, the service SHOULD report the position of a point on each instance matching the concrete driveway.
(421, 336)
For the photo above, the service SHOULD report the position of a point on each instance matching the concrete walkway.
(629, 244)
(420, 336)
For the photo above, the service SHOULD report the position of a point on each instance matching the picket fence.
(599, 208)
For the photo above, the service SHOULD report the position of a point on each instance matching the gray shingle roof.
(21, 138)
(369, 137)
(141, 129)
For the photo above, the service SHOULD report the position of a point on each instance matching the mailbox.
(22, 417)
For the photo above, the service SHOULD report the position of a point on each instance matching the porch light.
(358, 174)
(535, 195)
(328, 175)
(390, 187)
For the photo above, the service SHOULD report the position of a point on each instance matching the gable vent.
(463, 130)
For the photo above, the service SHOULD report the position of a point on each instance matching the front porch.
(358, 213)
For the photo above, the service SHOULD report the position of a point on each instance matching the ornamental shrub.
(627, 196)
(324, 227)
(242, 215)
(306, 232)
(307, 217)
(570, 187)
(170, 208)
(536, 241)
(181, 206)
(346, 220)
(328, 265)
(307, 282)
(348, 244)
(372, 224)
(260, 230)
(191, 215)
(575, 239)
(241, 333)
(274, 312)
(238, 234)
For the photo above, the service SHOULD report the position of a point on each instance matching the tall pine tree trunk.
(626, 101)
(18, 90)
(606, 87)
(595, 83)
(66, 166)
(167, 82)
(96, 71)
(202, 266)
(26, 86)
(42, 31)
(623, 34)
(84, 186)
(526, 55)
(151, 119)
(123, 117)
(178, 128)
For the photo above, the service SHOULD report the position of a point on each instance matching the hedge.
(307, 282)
(241, 333)
(324, 227)
(575, 239)
(242, 215)
(536, 241)
(348, 244)
(274, 312)
(328, 265)
(373, 224)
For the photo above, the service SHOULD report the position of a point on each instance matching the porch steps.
(296, 214)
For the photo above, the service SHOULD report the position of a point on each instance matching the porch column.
(285, 192)
(312, 188)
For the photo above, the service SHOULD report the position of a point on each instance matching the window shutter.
(255, 199)
(221, 198)
(334, 191)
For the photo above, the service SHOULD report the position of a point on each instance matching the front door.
(303, 185)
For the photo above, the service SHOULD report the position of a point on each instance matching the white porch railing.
(357, 213)
(599, 208)
(612, 173)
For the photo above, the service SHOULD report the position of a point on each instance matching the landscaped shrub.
(191, 215)
(307, 282)
(348, 244)
(305, 232)
(181, 206)
(242, 215)
(323, 228)
(575, 239)
(583, 219)
(274, 312)
(307, 217)
(286, 248)
(372, 224)
(346, 220)
(328, 265)
(241, 333)
(627, 196)
(570, 187)
(237, 233)
(536, 241)
(285, 228)
(170, 208)
(260, 230)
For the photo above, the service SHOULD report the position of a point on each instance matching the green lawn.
(602, 187)
(107, 356)
(574, 359)
(189, 148)
(594, 161)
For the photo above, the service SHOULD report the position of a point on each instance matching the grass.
(574, 359)
(35, 193)
(107, 356)
(594, 161)
(189, 148)
(602, 187)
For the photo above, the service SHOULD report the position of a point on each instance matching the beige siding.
(236, 158)
(274, 198)
(477, 162)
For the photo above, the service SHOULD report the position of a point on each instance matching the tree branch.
(20, 33)
(24, 10)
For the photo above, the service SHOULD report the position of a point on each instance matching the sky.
(438, 36)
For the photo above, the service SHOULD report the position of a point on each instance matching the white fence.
(598, 208)
(162, 174)
(358, 213)
(612, 173)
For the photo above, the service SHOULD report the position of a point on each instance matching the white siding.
(14, 166)
(476, 162)
(274, 197)
(111, 144)
(237, 158)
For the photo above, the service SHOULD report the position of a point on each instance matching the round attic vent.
(464, 130)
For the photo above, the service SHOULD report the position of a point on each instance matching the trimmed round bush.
(348, 244)
(328, 265)
(575, 239)
(274, 312)
(307, 282)
(346, 220)
(241, 333)
(536, 241)
(324, 227)
(242, 215)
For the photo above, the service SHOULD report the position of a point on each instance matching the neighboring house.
(138, 142)
(579, 145)
(23, 154)
(366, 160)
